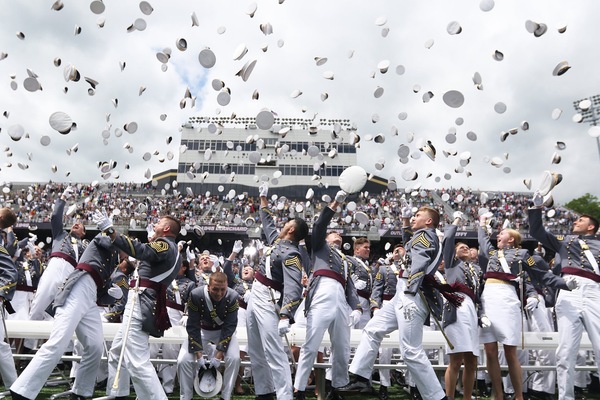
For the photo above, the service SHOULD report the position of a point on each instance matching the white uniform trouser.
(21, 302)
(576, 310)
(543, 381)
(366, 316)
(382, 323)
(54, 275)
(136, 360)
(7, 363)
(187, 367)
(330, 312)
(167, 372)
(270, 363)
(78, 315)
(411, 312)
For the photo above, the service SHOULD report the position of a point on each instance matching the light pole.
(589, 109)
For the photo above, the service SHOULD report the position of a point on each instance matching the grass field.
(395, 393)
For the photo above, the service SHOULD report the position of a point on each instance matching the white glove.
(406, 211)
(532, 303)
(237, 247)
(382, 261)
(202, 363)
(259, 245)
(215, 362)
(284, 326)
(571, 282)
(150, 231)
(189, 254)
(358, 284)
(247, 296)
(68, 192)
(485, 321)
(183, 320)
(102, 220)
(355, 317)
(31, 247)
(115, 291)
(33, 238)
(263, 189)
(458, 215)
(340, 196)
(538, 199)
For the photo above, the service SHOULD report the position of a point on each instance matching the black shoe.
(383, 393)
(74, 396)
(300, 395)
(415, 394)
(356, 386)
(268, 396)
(334, 395)
(17, 396)
(539, 395)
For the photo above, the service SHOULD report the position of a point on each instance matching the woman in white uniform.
(460, 323)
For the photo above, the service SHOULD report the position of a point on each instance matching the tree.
(586, 204)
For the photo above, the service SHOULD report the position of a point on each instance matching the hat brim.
(352, 179)
(208, 392)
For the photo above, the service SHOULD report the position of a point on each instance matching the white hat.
(208, 382)
(352, 179)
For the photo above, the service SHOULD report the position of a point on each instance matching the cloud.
(303, 30)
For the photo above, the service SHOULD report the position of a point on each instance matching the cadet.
(212, 317)
(280, 271)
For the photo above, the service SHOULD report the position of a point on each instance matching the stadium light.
(590, 114)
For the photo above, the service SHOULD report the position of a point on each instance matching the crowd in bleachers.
(137, 205)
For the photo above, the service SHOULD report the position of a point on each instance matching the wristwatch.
(109, 231)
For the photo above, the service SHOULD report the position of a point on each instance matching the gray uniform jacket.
(239, 285)
(326, 257)
(98, 260)
(8, 275)
(183, 286)
(361, 270)
(34, 266)
(286, 266)
(63, 243)
(223, 317)
(114, 312)
(466, 276)
(518, 260)
(384, 286)
(568, 248)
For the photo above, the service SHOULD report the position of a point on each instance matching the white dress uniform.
(460, 323)
(578, 309)
(76, 312)
(160, 262)
(8, 282)
(383, 323)
(331, 298)
(270, 363)
(66, 250)
(209, 322)
(424, 256)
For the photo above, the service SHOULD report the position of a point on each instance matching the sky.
(427, 59)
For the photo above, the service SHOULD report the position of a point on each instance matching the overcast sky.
(351, 34)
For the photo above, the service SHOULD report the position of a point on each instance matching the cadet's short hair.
(361, 240)
(433, 214)
(174, 224)
(301, 231)
(217, 277)
(7, 217)
(515, 235)
(593, 220)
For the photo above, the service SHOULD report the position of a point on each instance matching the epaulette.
(159, 246)
(421, 238)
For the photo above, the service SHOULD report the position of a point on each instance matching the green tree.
(586, 204)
